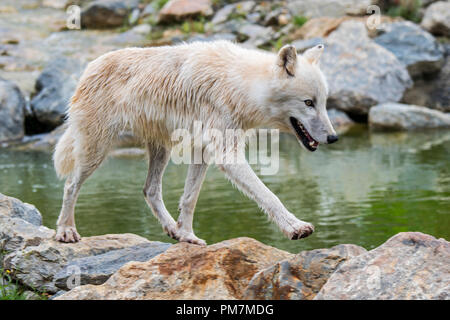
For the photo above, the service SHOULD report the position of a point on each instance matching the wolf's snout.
(332, 139)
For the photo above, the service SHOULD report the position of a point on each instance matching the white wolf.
(154, 91)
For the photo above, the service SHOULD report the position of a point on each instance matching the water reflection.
(361, 190)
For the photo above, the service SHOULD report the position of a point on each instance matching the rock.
(413, 46)
(54, 88)
(322, 27)
(255, 35)
(396, 116)
(437, 18)
(340, 120)
(30, 295)
(300, 277)
(102, 14)
(37, 265)
(410, 265)
(361, 73)
(97, 269)
(277, 17)
(186, 271)
(43, 141)
(222, 15)
(213, 37)
(328, 8)
(179, 10)
(303, 45)
(12, 106)
(16, 234)
(14, 208)
(432, 91)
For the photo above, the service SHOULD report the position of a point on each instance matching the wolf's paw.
(183, 236)
(300, 230)
(67, 234)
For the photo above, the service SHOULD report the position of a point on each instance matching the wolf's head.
(298, 95)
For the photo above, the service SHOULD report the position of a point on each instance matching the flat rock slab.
(186, 271)
(410, 265)
(397, 116)
(179, 10)
(97, 269)
(300, 277)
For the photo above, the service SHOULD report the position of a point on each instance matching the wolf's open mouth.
(304, 135)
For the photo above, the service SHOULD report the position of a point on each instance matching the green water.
(361, 190)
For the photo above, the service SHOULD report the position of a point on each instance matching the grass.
(299, 20)
(193, 26)
(407, 9)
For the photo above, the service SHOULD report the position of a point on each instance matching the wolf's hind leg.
(248, 182)
(158, 159)
(194, 179)
(66, 229)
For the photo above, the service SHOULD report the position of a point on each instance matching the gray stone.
(180, 10)
(303, 45)
(300, 277)
(437, 18)
(396, 116)
(255, 35)
(361, 73)
(222, 15)
(54, 88)
(17, 234)
(14, 208)
(214, 37)
(432, 92)
(12, 106)
(413, 46)
(409, 266)
(102, 14)
(37, 264)
(134, 16)
(340, 120)
(97, 269)
(328, 8)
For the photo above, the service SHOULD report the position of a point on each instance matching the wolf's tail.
(63, 158)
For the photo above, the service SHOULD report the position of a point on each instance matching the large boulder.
(54, 88)
(97, 269)
(179, 10)
(410, 265)
(37, 265)
(302, 276)
(432, 91)
(397, 116)
(20, 226)
(186, 271)
(328, 8)
(107, 13)
(360, 72)
(437, 18)
(413, 46)
(12, 106)
(14, 208)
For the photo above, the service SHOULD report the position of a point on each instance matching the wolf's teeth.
(311, 143)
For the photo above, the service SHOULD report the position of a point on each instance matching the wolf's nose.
(332, 139)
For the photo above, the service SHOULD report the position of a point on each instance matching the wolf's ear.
(287, 59)
(313, 54)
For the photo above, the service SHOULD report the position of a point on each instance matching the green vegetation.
(299, 20)
(10, 289)
(158, 4)
(407, 9)
(193, 26)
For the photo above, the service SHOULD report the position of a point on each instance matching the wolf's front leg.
(248, 182)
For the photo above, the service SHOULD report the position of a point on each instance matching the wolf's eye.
(309, 103)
